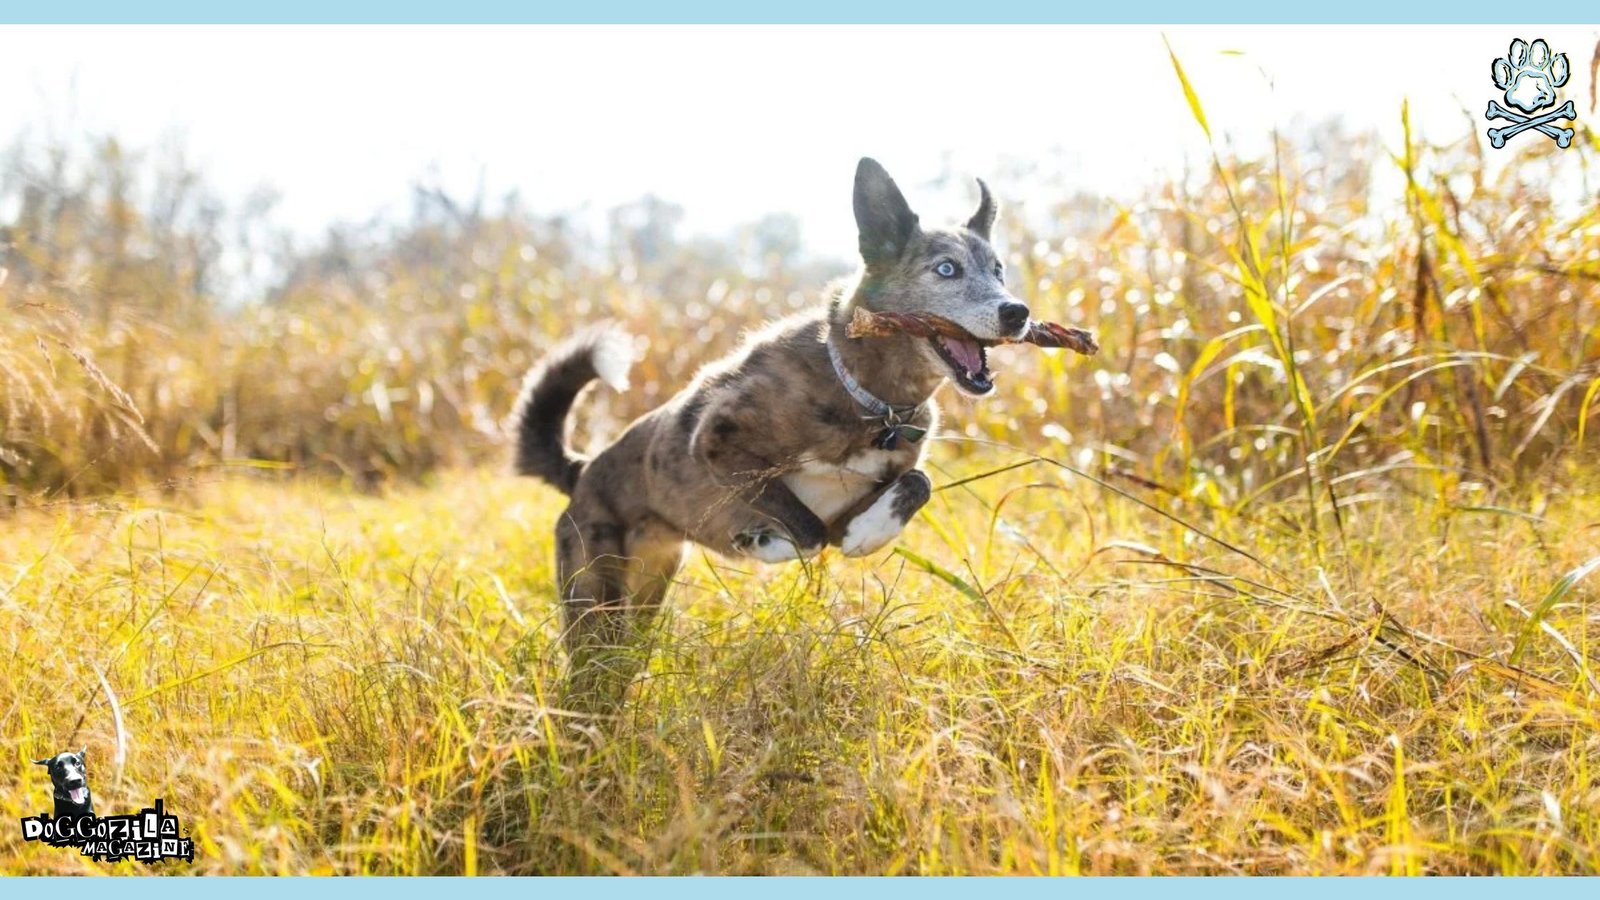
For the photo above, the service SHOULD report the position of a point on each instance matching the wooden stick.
(866, 323)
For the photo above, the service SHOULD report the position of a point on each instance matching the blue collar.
(894, 418)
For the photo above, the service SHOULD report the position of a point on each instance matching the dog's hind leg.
(613, 582)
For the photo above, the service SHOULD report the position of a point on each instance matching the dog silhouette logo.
(69, 783)
(1529, 75)
(149, 835)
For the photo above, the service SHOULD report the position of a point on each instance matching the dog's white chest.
(828, 489)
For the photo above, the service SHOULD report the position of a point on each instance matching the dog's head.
(69, 776)
(949, 272)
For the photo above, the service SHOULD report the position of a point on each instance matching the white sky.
(731, 122)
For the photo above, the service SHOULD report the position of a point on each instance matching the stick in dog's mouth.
(867, 323)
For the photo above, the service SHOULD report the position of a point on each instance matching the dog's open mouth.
(968, 361)
(78, 794)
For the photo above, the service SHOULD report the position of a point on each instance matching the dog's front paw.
(770, 547)
(883, 521)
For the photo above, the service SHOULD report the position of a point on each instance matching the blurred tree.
(773, 242)
(110, 230)
(644, 232)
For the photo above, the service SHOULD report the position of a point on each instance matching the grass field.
(1060, 680)
(1295, 576)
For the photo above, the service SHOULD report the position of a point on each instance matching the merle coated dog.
(803, 438)
(70, 780)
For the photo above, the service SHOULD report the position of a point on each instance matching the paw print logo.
(1529, 74)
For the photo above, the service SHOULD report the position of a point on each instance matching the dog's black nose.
(1012, 317)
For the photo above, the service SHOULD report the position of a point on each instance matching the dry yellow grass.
(1316, 596)
(324, 681)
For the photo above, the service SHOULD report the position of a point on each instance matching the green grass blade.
(1560, 589)
(940, 572)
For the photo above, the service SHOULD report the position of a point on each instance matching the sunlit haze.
(730, 122)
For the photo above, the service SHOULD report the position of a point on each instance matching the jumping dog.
(802, 438)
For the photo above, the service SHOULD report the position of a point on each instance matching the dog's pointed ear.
(883, 218)
(982, 221)
(41, 762)
(82, 751)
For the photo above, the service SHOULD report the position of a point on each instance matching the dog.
(803, 438)
(69, 779)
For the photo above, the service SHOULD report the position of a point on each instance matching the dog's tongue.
(965, 352)
(78, 794)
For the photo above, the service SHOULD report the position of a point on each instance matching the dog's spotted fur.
(765, 454)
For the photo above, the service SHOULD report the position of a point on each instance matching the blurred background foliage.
(1337, 320)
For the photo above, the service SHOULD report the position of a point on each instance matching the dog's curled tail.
(540, 418)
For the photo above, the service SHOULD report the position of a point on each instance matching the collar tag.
(889, 438)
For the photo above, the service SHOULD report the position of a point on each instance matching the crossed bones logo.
(1529, 74)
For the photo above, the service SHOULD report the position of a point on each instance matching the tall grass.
(1296, 576)
(1286, 326)
(1049, 678)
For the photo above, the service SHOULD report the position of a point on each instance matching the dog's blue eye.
(1000, 271)
(947, 269)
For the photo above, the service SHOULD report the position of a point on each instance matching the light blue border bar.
(1170, 12)
(790, 888)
